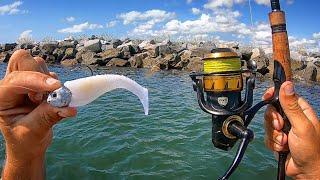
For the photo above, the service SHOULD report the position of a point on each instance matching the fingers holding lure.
(83, 91)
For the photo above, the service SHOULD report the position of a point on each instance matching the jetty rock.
(156, 55)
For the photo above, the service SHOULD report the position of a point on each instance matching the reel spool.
(219, 88)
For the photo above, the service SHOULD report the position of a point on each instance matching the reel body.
(219, 91)
(223, 83)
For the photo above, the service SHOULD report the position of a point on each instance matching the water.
(112, 139)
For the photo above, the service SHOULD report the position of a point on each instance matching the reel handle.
(246, 135)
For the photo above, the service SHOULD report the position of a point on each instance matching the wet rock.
(185, 55)
(35, 51)
(163, 63)
(93, 45)
(317, 63)
(155, 68)
(69, 62)
(48, 47)
(200, 52)
(195, 65)
(9, 46)
(257, 52)
(70, 53)
(79, 56)
(50, 59)
(172, 60)
(245, 53)
(164, 49)
(4, 57)
(117, 62)
(128, 50)
(125, 45)
(153, 51)
(58, 54)
(134, 49)
(149, 62)
(26, 46)
(263, 63)
(146, 43)
(209, 46)
(89, 58)
(67, 44)
(315, 55)
(181, 65)
(110, 53)
(178, 47)
(310, 73)
(115, 43)
(137, 60)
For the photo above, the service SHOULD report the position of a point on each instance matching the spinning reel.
(219, 88)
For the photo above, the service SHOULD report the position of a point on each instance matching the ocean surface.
(111, 138)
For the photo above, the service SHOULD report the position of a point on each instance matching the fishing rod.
(219, 92)
(282, 69)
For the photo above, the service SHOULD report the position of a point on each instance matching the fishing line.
(251, 18)
(251, 14)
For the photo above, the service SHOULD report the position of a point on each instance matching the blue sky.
(222, 20)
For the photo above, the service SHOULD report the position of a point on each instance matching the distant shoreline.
(165, 55)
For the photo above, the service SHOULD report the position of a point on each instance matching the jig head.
(83, 91)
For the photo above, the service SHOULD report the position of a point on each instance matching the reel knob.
(238, 130)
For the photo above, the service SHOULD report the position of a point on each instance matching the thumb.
(45, 116)
(289, 101)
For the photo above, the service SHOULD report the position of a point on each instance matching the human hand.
(303, 140)
(26, 120)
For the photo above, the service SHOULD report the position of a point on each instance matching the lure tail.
(118, 81)
(83, 91)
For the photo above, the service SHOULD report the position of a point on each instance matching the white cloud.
(215, 4)
(145, 21)
(154, 15)
(111, 24)
(195, 11)
(220, 21)
(261, 34)
(80, 28)
(25, 37)
(189, 1)
(297, 43)
(11, 8)
(263, 2)
(316, 35)
(70, 19)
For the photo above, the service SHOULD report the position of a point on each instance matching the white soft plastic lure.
(83, 91)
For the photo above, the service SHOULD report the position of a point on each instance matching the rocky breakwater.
(150, 54)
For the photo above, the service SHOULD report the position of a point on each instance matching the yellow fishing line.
(221, 65)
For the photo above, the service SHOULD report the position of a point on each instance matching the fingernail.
(289, 89)
(51, 81)
(279, 139)
(276, 124)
